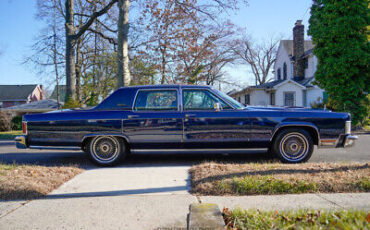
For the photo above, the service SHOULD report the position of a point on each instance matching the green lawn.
(301, 219)
(10, 134)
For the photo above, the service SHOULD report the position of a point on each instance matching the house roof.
(62, 93)
(306, 82)
(42, 105)
(267, 85)
(288, 45)
(16, 92)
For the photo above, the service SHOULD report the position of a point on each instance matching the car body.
(184, 117)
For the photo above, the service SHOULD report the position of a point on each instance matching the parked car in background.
(186, 117)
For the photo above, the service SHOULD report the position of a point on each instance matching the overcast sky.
(18, 29)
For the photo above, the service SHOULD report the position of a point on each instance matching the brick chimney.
(298, 50)
(41, 92)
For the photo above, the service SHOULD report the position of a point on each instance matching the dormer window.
(279, 74)
(285, 71)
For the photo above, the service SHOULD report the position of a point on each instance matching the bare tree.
(260, 57)
(73, 33)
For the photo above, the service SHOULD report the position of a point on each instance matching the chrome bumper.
(349, 141)
(20, 142)
(343, 141)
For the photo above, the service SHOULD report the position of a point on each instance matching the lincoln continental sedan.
(184, 118)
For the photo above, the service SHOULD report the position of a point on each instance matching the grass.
(301, 219)
(32, 181)
(275, 178)
(10, 134)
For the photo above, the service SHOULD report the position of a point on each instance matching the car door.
(204, 127)
(155, 121)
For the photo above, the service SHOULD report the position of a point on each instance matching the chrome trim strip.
(347, 128)
(196, 150)
(54, 147)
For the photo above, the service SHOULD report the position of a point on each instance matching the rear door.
(204, 127)
(155, 121)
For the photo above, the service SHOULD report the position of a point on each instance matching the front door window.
(201, 100)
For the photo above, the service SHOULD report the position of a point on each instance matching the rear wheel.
(106, 150)
(293, 145)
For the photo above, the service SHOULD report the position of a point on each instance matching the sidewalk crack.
(330, 201)
(19, 206)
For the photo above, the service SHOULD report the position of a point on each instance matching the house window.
(247, 98)
(289, 99)
(305, 63)
(284, 71)
(1, 104)
(272, 98)
(279, 74)
(239, 99)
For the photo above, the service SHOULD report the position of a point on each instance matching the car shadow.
(80, 159)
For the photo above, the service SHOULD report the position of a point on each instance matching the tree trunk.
(70, 52)
(123, 77)
(78, 72)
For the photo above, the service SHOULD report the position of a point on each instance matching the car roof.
(175, 86)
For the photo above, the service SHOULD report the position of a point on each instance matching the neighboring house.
(62, 93)
(11, 95)
(294, 71)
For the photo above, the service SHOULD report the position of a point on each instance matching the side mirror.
(217, 106)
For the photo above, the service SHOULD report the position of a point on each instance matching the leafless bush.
(5, 121)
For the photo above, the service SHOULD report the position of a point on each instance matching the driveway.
(145, 192)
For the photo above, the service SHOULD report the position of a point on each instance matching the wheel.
(293, 146)
(106, 150)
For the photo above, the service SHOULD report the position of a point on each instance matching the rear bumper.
(21, 142)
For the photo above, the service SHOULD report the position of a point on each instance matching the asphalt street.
(9, 154)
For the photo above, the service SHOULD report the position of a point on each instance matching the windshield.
(229, 99)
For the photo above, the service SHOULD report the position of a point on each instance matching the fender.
(295, 124)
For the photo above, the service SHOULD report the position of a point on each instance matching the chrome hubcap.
(294, 146)
(105, 149)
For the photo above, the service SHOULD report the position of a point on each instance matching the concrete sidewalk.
(293, 201)
(143, 196)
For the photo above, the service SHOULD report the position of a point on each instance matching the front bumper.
(344, 141)
(21, 142)
(349, 141)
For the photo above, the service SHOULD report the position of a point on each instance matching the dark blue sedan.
(182, 117)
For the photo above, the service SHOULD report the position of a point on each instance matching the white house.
(293, 75)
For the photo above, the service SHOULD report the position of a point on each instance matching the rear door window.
(156, 100)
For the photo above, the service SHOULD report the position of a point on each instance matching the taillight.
(24, 127)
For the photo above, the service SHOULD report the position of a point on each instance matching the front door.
(155, 121)
(204, 127)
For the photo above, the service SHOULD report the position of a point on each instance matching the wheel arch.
(310, 128)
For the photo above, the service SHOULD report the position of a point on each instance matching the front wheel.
(293, 146)
(106, 150)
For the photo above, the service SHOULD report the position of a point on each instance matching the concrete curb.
(205, 216)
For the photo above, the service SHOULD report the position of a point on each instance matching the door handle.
(189, 115)
(132, 116)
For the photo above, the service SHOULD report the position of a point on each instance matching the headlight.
(347, 128)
